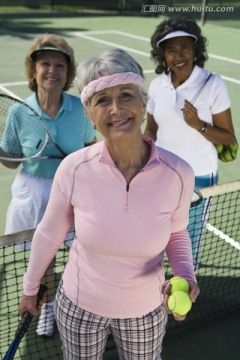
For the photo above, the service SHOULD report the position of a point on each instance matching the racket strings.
(22, 134)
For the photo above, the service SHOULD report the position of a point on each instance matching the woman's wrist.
(203, 128)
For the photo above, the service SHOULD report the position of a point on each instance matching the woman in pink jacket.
(129, 201)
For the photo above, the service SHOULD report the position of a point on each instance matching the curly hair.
(183, 23)
(54, 41)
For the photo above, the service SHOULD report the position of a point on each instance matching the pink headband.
(109, 81)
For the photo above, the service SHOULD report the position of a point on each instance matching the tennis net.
(217, 270)
(218, 256)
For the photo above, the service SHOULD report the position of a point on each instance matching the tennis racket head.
(23, 134)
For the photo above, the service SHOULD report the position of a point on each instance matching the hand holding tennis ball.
(179, 303)
(178, 296)
(178, 284)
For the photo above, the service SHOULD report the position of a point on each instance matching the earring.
(166, 67)
(94, 126)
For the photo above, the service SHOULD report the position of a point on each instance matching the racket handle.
(24, 324)
(27, 316)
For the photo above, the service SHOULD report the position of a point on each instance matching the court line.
(227, 78)
(224, 28)
(15, 83)
(223, 58)
(109, 43)
(218, 57)
(8, 92)
(223, 236)
(230, 79)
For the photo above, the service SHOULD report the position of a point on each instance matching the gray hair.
(108, 63)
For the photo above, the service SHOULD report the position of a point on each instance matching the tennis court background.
(89, 35)
(16, 33)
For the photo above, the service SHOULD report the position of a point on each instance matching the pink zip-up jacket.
(115, 266)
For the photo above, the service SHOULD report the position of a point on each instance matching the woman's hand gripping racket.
(23, 133)
(23, 327)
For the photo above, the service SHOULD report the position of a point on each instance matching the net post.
(203, 12)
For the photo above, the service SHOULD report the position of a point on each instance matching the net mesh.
(217, 269)
(218, 264)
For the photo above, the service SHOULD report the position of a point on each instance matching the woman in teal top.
(70, 135)
(50, 67)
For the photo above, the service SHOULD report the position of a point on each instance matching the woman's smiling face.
(51, 70)
(117, 111)
(179, 54)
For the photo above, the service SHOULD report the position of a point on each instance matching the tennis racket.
(23, 133)
(23, 327)
(197, 198)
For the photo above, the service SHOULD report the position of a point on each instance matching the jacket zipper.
(127, 196)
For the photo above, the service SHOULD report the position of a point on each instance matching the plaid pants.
(84, 335)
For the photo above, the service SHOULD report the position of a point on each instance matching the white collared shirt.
(174, 134)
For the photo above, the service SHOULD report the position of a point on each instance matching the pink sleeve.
(179, 249)
(49, 235)
(179, 252)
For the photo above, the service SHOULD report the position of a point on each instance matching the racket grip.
(24, 324)
(27, 316)
(42, 289)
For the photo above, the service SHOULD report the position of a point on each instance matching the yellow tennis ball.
(228, 155)
(179, 303)
(234, 145)
(219, 148)
(178, 284)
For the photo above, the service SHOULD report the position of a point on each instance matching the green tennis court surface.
(89, 35)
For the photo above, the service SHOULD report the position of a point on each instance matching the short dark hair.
(184, 23)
